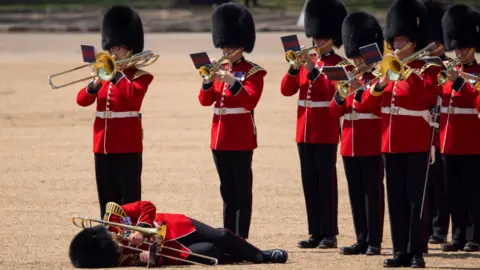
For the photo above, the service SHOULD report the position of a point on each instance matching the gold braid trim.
(255, 68)
(139, 73)
(343, 63)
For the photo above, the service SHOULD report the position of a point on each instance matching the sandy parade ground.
(47, 170)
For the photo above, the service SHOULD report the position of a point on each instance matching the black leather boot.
(311, 242)
(399, 260)
(418, 261)
(355, 249)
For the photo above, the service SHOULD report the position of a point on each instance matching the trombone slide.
(105, 66)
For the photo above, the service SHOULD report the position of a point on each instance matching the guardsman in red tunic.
(117, 131)
(317, 130)
(438, 215)
(95, 248)
(460, 128)
(406, 133)
(361, 139)
(234, 92)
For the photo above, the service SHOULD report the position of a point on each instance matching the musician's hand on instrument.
(355, 83)
(452, 75)
(144, 256)
(136, 238)
(384, 80)
(226, 77)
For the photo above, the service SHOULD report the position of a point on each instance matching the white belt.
(110, 114)
(313, 104)
(403, 111)
(359, 116)
(223, 111)
(455, 110)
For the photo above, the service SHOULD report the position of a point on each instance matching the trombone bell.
(392, 67)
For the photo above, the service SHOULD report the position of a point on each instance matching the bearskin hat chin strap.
(321, 49)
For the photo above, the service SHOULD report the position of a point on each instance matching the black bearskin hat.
(122, 26)
(323, 19)
(233, 26)
(461, 27)
(435, 10)
(407, 18)
(360, 29)
(93, 248)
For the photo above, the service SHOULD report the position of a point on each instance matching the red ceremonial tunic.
(117, 127)
(361, 130)
(477, 105)
(233, 124)
(405, 111)
(433, 73)
(144, 213)
(315, 124)
(459, 122)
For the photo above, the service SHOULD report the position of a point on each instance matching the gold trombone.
(395, 69)
(158, 235)
(209, 72)
(105, 66)
(293, 57)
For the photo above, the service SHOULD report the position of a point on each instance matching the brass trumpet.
(343, 87)
(292, 57)
(442, 75)
(395, 68)
(105, 66)
(209, 72)
(158, 235)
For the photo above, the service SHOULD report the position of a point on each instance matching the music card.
(89, 53)
(335, 73)
(290, 43)
(437, 61)
(371, 53)
(200, 59)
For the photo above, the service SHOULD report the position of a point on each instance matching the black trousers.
(367, 197)
(405, 175)
(221, 244)
(118, 178)
(319, 179)
(438, 215)
(463, 191)
(235, 171)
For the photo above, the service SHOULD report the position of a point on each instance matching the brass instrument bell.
(105, 66)
(293, 57)
(209, 72)
(395, 69)
(442, 75)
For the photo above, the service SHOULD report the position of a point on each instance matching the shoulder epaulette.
(255, 68)
(343, 63)
(426, 66)
(139, 73)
